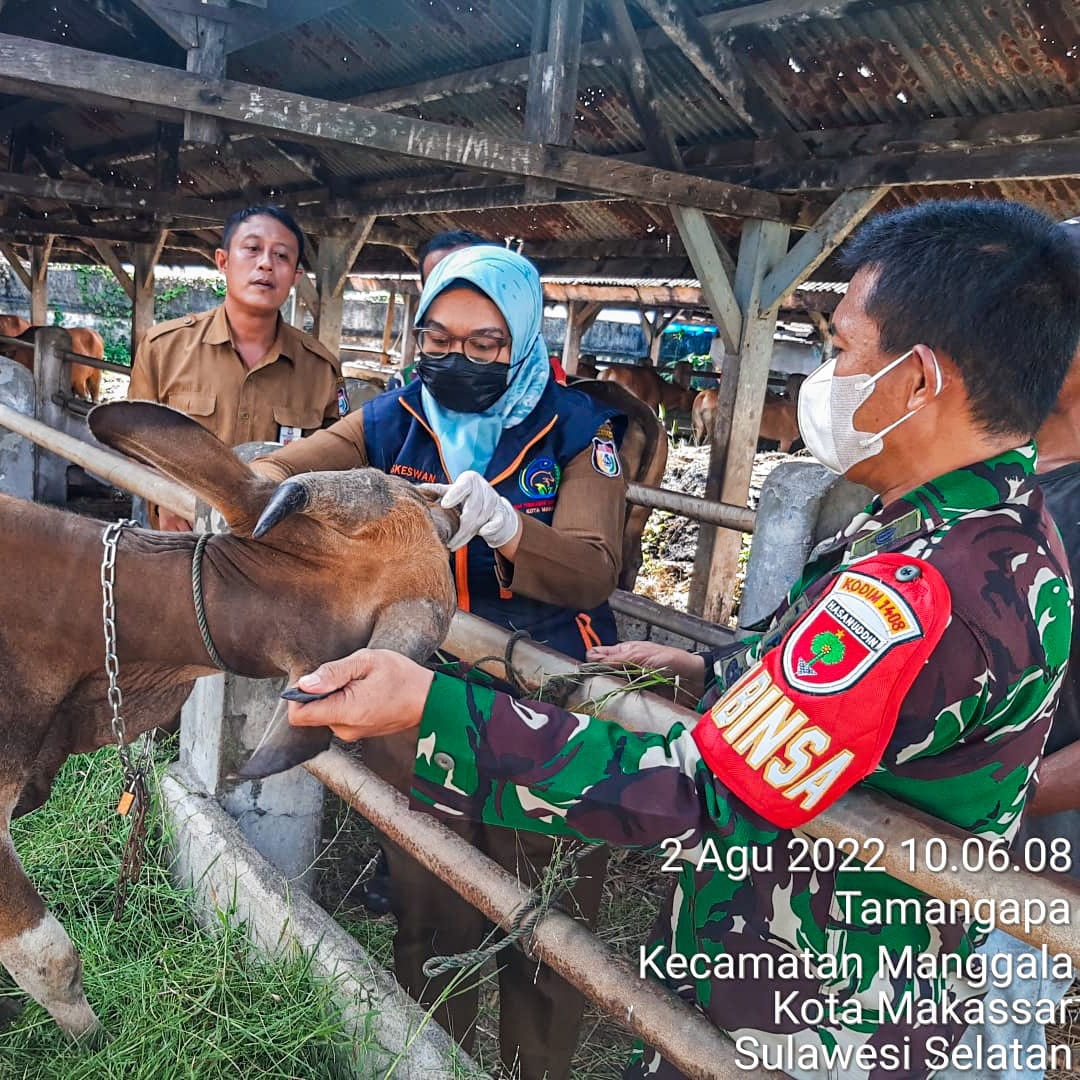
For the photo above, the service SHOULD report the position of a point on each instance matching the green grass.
(179, 1002)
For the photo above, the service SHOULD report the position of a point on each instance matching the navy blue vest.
(400, 442)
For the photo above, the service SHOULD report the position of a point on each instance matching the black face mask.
(456, 383)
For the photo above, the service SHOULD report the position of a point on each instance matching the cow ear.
(186, 452)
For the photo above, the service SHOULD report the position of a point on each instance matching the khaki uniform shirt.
(192, 365)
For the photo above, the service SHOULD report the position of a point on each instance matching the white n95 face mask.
(827, 407)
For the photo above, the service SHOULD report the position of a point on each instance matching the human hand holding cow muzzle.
(370, 692)
(484, 512)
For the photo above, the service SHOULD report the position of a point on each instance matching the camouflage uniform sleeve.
(527, 765)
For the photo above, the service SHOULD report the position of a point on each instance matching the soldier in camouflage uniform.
(921, 653)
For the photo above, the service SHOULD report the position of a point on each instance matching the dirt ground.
(670, 541)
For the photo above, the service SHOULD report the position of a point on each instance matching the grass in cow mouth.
(178, 1001)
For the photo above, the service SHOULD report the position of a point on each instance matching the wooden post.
(50, 342)
(551, 99)
(580, 315)
(208, 58)
(738, 419)
(39, 291)
(337, 253)
(144, 258)
(388, 326)
(408, 336)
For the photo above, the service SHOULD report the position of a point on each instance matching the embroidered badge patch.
(813, 717)
(849, 630)
(605, 458)
(342, 398)
(539, 477)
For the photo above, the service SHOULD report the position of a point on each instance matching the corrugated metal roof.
(895, 62)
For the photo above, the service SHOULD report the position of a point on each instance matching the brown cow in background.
(85, 381)
(778, 419)
(646, 384)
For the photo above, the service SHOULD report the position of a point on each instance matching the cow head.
(315, 568)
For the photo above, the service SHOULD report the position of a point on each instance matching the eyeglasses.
(480, 350)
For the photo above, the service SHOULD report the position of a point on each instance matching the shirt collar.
(287, 342)
(997, 480)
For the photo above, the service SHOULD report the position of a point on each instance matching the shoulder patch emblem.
(813, 717)
(605, 457)
(342, 398)
(540, 477)
(848, 630)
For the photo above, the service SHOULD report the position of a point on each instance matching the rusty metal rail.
(724, 515)
(72, 357)
(648, 1009)
(112, 467)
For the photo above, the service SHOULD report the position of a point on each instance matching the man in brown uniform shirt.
(240, 370)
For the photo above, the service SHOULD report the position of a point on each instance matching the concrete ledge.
(227, 873)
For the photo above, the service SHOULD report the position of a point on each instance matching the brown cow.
(85, 380)
(320, 585)
(645, 383)
(779, 419)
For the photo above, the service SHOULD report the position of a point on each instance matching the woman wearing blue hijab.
(533, 467)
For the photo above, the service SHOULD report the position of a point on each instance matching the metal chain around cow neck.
(135, 795)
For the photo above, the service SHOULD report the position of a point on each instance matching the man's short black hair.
(445, 241)
(994, 284)
(278, 213)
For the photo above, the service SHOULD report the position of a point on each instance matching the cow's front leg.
(36, 950)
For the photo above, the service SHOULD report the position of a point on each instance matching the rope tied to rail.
(535, 906)
(200, 600)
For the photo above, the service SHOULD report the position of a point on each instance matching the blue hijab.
(512, 283)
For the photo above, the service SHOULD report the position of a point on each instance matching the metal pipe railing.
(110, 466)
(646, 1007)
(725, 515)
(678, 622)
(72, 357)
(861, 815)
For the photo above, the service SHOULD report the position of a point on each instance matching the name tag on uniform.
(287, 434)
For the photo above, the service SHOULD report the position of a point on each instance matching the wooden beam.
(17, 267)
(815, 246)
(720, 68)
(33, 228)
(39, 282)
(596, 54)
(308, 295)
(705, 254)
(281, 17)
(105, 196)
(738, 419)
(109, 257)
(639, 87)
(207, 58)
(335, 259)
(1049, 160)
(39, 68)
(551, 101)
(144, 258)
(181, 28)
(580, 315)
(388, 327)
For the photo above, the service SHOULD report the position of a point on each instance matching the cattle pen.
(649, 1011)
(675, 158)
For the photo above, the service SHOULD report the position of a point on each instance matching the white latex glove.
(484, 512)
